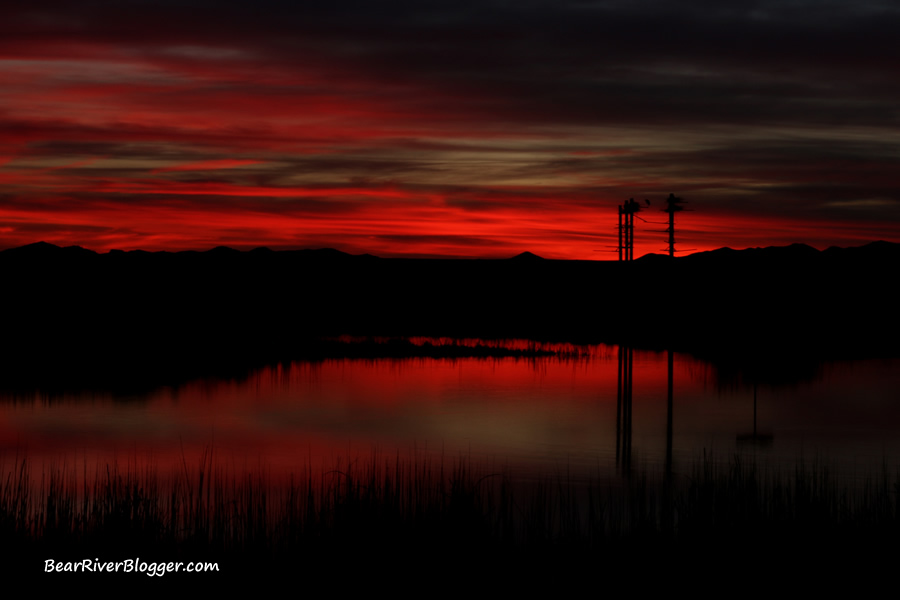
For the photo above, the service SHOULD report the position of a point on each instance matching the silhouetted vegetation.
(391, 510)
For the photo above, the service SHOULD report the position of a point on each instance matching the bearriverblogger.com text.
(136, 565)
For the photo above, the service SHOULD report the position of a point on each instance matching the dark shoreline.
(77, 317)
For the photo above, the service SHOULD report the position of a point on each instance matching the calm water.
(528, 415)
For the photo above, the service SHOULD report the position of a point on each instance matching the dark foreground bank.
(454, 518)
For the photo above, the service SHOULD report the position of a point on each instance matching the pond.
(564, 412)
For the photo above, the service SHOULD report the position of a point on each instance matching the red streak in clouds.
(386, 221)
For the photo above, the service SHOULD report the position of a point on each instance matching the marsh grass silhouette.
(436, 510)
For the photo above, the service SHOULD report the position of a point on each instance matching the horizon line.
(412, 256)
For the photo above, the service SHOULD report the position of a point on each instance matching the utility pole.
(673, 205)
(626, 229)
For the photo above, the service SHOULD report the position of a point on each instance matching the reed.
(384, 505)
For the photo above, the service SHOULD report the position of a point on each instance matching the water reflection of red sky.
(288, 415)
(530, 413)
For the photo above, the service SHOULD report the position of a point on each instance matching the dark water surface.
(541, 416)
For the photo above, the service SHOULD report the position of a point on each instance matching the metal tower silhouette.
(673, 205)
(626, 229)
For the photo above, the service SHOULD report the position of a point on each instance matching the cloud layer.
(447, 128)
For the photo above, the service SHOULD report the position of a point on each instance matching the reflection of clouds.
(543, 411)
(93, 424)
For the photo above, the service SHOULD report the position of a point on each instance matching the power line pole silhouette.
(626, 229)
(673, 205)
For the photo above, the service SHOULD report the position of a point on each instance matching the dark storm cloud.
(593, 62)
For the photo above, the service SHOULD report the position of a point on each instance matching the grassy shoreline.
(395, 505)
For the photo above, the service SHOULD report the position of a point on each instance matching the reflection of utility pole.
(668, 505)
(673, 205)
(623, 408)
(756, 437)
(669, 410)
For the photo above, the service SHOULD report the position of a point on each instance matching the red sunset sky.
(466, 128)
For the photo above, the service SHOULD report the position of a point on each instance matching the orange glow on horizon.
(385, 221)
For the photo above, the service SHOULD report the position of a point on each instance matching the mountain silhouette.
(73, 311)
(526, 257)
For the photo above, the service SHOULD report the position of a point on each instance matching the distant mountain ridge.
(796, 250)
